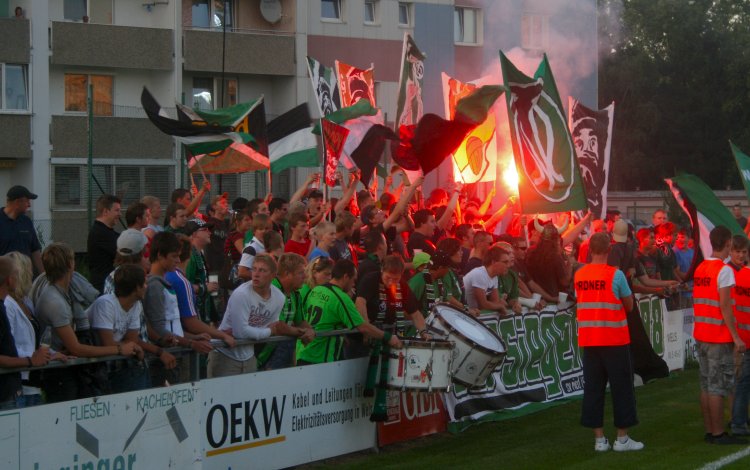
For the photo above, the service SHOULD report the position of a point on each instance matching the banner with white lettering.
(542, 364)
(156, 428)
(286, 417)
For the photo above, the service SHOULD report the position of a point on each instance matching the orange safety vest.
(602, 320)
(741, 297)
(709, 324)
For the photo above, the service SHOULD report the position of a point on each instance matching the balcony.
(15, 134)
(250, 52)
(98, 45)
(15, 42)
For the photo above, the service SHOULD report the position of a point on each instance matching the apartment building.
(213, 53)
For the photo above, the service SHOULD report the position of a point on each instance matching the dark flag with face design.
(355, 84)
(592, 138)
(325, 86)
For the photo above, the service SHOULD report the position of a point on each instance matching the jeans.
(742, 395)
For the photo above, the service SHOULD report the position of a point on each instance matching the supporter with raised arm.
(375, 219)
(54, 310)
(185, 197)
(300, 193)
(116, 319)
(102, 240)
(348, 192)
(481, 282)
(328, 308)
(252, 313)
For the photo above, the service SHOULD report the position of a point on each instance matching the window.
(534, 31)
(330, 9)
(97, 11)
(14, 81)
(206, 88)
(404, 16)
(76, 93)
(371, 11)
(128, 182)
(466, 25)
(212, 14)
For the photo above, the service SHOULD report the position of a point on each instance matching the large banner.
(543, 363)
(591, 131)
(156, 428)
(409, 108)
(287, 417)
(412, 415)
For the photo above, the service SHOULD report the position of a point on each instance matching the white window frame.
(88, 12)
(529, 40)
(341, 5)
(3, 109)
(212, 14)
(375, 12)
(478, 26)
(409, 15)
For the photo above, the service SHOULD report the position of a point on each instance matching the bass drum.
(421, 366)
(478, 350)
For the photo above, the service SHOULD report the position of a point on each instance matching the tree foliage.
(679, 73)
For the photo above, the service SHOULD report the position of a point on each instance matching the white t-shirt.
(478, 278)
(248, 316)
(21, 329)
(106, 313)
(247, 258)
(726, 276)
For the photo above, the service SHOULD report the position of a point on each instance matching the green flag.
(548, 175)
(358, 109)
(704, 209)
(743, 165)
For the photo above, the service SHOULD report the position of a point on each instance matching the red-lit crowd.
(253, 269)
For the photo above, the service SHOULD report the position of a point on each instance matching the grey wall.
(95, 45)
(72, 228)
(263, 54)
(15, 134)
(14, 41)
(113, 138)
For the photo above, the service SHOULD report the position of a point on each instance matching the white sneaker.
(630, 444)
(601, 446)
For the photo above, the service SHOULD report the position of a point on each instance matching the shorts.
(716, 361)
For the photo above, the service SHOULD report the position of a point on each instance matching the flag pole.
(323, 173)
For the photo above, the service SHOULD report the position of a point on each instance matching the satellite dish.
(270, 10)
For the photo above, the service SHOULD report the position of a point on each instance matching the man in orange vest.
(741, 297)
(716, 335)
(604, 299)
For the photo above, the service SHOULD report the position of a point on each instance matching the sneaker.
(630, 444)
(601, 446)
(708, 437)
(740, 431)
(726, 439)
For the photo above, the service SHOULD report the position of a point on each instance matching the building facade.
(214, 53)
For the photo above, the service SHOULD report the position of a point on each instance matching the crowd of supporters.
(250, 269)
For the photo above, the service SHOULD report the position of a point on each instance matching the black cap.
(193, 225)
(17, 192)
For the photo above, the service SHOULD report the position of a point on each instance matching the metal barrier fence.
(195, 375)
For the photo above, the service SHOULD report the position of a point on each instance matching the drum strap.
(391, 308)
(431, 289)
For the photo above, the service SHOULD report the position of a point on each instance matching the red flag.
(334, 137)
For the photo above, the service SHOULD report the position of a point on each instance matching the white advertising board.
(155, 428)
(286, 417)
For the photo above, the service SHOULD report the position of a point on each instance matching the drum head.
(473, 329)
